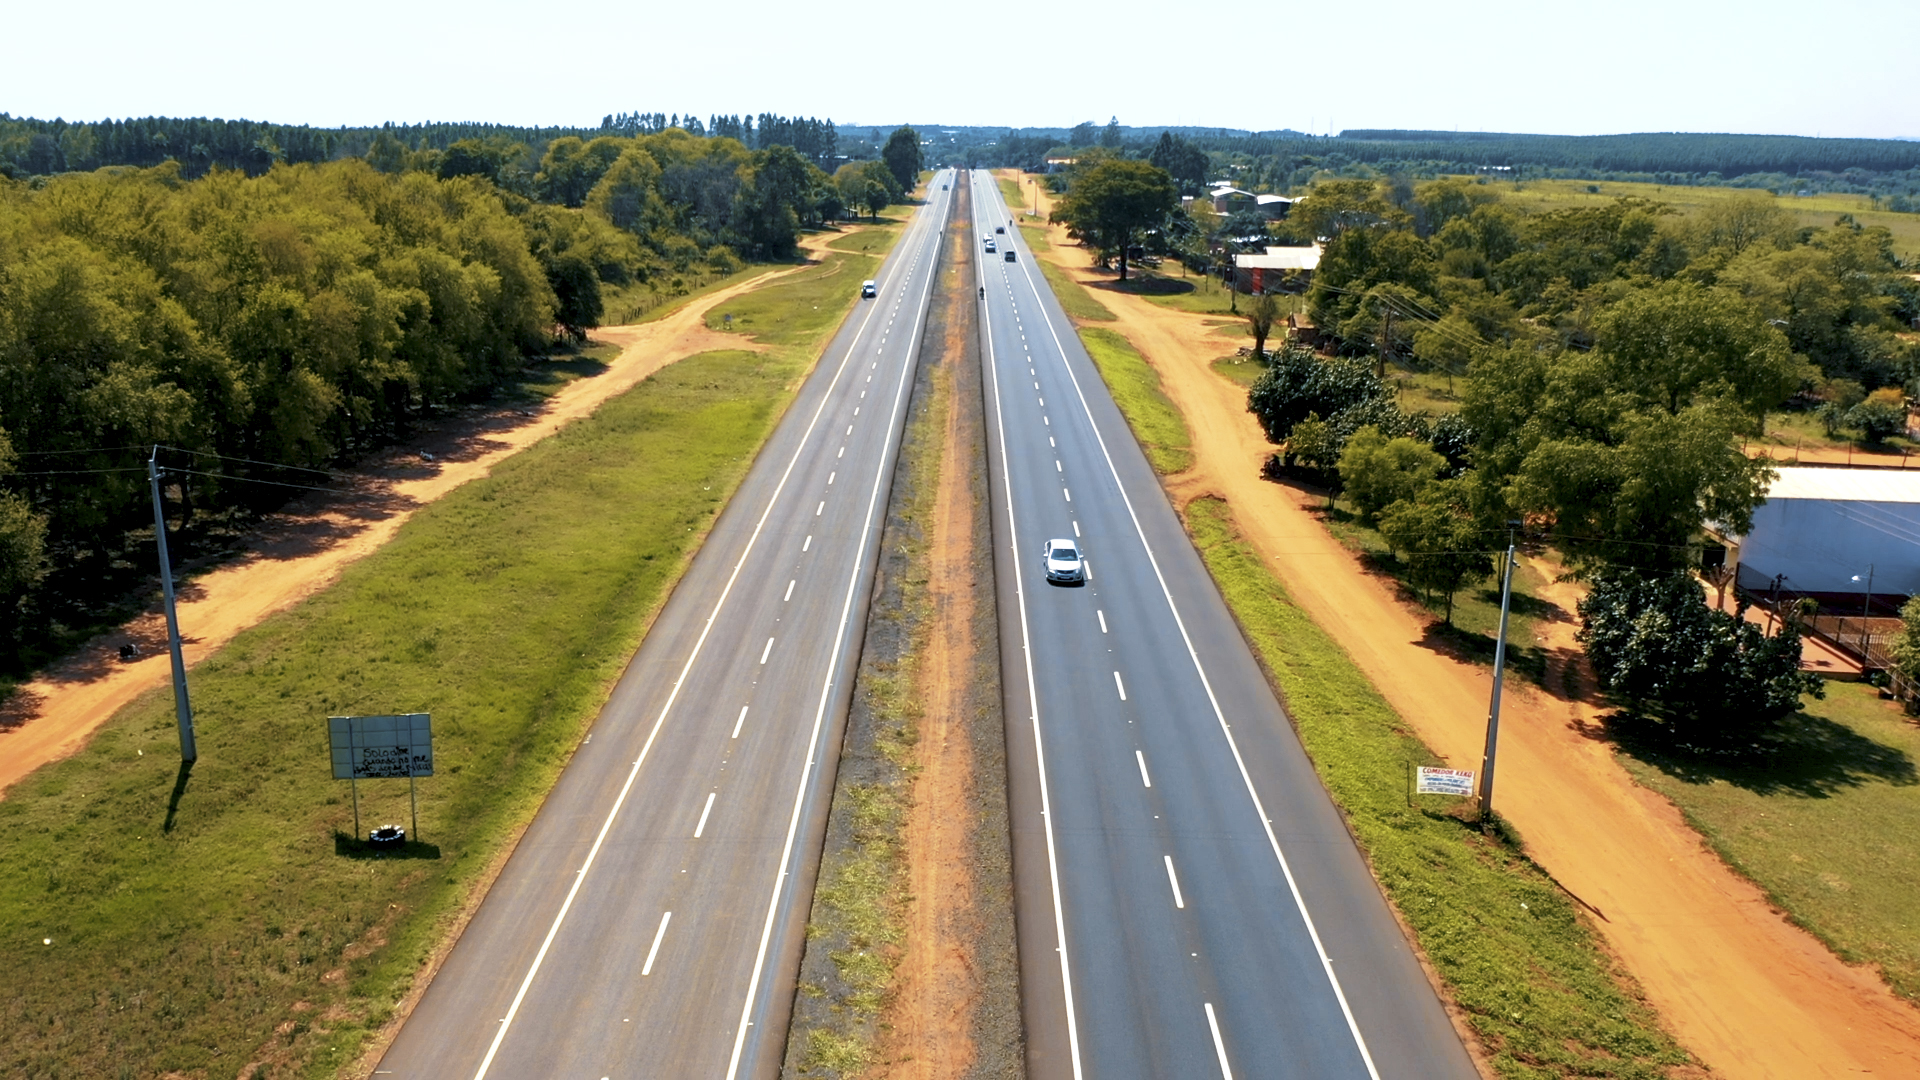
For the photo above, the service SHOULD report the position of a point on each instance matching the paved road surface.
(650, 922)
(1189, 902)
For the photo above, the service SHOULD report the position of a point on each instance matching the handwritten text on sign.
(375, 747)
(1434, 781)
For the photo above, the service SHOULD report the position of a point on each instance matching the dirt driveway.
(303, 548)
(1751, 995)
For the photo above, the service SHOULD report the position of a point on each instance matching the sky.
(1836, 68)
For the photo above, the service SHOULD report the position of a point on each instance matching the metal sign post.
(182, 708)
(374, 747)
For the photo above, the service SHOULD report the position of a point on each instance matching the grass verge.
(804, 308)
(1824, 818)
(1079, 303)
(1159, 427)
(1514, 954)
(643, 302)
(222, 921)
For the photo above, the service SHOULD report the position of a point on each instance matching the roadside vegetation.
(225, 919)
(1159, 427)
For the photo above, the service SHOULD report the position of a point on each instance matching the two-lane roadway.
(1189, 902)
(649, 923)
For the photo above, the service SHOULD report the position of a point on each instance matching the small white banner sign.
(376, 747)
(1434, 781)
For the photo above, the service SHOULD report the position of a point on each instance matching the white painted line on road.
(856, 410)
(863, 393)
(1056, 466)
(1117, 684)
(1051, 443)
(1103, 619)
(673, 696)
(817, 509)
(841, 454)
(881, 472)
(1068, 493)
(849, 429)
(830, 477)
(765, 651)
(789, 595)
(1178, 900)
(1086, 567)
(658, 936)
(1246, 777)
(1043, 402)
(702, 827)
(1036, 386)
(1219, 1047)
(1144, 781)
(737, 723)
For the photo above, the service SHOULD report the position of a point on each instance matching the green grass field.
(1819, 210)
(1828, 822)
(641, 302)
(802, 309)
(1157, 425)
(1515, 955)
(156, 923)
(1074, 297)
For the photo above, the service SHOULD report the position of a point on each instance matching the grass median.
(224, 922)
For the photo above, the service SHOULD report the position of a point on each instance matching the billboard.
(1434, 781)
(378, 747)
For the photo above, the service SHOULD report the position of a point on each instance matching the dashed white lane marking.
(1043, 401)
(789, 595)
(817, 509)
(830, 477)
(808, 544)
(1219, 1047)
(1068, 493)
(841, 454)
(849, 429)
(1103, 620)
(1142, 759)
(1117, 684)
(1056, 466)
(702, 827)
(856, 410)
(1046, 421)
(769, 649)
(1178, 900)
(1076, 530)
(1086, 567)
(737, 723)
(658, 936)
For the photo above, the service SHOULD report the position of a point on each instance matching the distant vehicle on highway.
(1064, 562)
(868, 290)
(1000, 228)
(990, 248)
(1010, 255)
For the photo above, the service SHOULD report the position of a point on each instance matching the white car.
(990, 247)
(868, 290)
(1064, 562)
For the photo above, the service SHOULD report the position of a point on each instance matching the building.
(1281, 269)
(1275, 207)
(1824, 531)
(1228, 199)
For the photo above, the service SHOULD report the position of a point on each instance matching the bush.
(1878, 418)
(1297, 383)
(1712, 677)
(1377, 471)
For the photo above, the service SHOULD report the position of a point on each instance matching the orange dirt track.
(1747, 992)
(302, 549)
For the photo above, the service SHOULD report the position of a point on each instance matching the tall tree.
(1112, 201)
(902, 155)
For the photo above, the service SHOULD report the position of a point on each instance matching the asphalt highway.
(1189, 902)
(650, 921)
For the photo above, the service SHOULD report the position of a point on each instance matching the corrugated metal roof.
(1281, 258)
(1847, 485)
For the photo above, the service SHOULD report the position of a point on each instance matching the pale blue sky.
(1838, 67)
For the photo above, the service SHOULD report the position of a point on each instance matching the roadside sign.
(1432, 781)
(375, 747)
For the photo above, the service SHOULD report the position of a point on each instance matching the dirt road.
(304, 547)
(1750, 994)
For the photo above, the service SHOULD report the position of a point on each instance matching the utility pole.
(1493, 711)
(182, 709)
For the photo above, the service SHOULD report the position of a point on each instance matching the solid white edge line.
(702, 827)
(1273, 841)
(1141, 757)
(1219, 1044)
(673, 696)
(1033, 700)
(1173, 879)
(833, 658)
(658, 936)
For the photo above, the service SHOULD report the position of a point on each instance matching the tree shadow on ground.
(353, 847)
(1804, 755)
(1151, 285)
(1527, 661)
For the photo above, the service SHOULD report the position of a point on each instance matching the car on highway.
(1000, 229)
(990, 248)
(1010, 255)
(868, 290)
(1063, 562)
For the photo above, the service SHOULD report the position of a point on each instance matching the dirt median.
(1747, 992)
(304, 547)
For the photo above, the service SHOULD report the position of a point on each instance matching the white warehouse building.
(1827, 530)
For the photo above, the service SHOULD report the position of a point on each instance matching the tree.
(628, 194)
(902, 155)
(1443, 549)
(1713, 677)
(577, 289)
(387, 154)
(1185, 162)
(1904, 650)
(1110, 137)
(1882, 415)
(1297, 384)
(1262, 313)
(1377, 471)
(1113, 201)
(1083, 134)
(1676, 341)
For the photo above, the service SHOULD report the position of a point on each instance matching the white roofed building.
(1827, 530)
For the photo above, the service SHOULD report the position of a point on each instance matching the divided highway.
(650, 922)
(1189, 902)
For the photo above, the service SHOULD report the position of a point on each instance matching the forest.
(263, 327)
